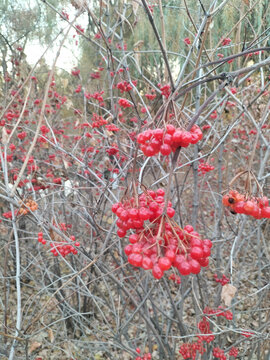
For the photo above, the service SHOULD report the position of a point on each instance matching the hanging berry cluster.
(167, 140)
(191, 350)
(62, 248)
(132, 216)
(146, 356)
(205, 167)
(257, 207)
(223, 280)
(158, 243)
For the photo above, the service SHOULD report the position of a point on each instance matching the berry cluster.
(233, 352)
(146, 356)
(204, 327)
(175, 278)
(223, 280)
(219, 353)
(167, 140)
(62, 248)
(41, 239)
(218, 312)
(124, 86)
(205, 167)
(257, 207)
(124, 103)
(131, 216)
(189, 350)
(161, 244)
(165, 90)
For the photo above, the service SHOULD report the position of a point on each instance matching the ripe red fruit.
(170, 129)
(195, 266)
(196, 252)
(204, 261)
(133, 238)
(144, 213)
(150, 151)
(135, 259)
(170, 254)
(165, 149)
(164, 263)
(170, 212)
(121, 233)
(158, 133)
(133, 213)
(265, 212)
(177, 136)
(147, 263)
(248, 207)
(188, 228)
(208, 243)
(168, 139)
(206, 251)
(184, 268)
(157, 272)
(128, 249)
(160, 192)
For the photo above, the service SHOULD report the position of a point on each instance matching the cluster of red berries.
(190, 350)
(63, 248)
(219, 353)
(218, 312)
(60, 247)
(205, 167)
(167, 140)
(165, 90)
(161, 244)
(146, 356)
(223, 280)
(175, 278)
(151, 96)
(41, 239)
(124, 103)
(233, 351)
(257, 207)
(131, 216)
(124, 86)
(204, 327)
(22, 135)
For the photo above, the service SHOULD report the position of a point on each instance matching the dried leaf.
(227, 293)
(66, 165)
(4, 135)
(34, 346)
(64, 83)
(51, 336)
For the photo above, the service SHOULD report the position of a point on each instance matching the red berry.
(164, 263)
(133, 238)
(135, 259)
(170, 255)
(184, 268)
(196, 252)
(157, 272)
(121, 233)
(128, 249)
(195, 266)
(170, 212)
(147, 263)
(165, 149)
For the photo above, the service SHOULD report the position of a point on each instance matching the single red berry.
(164, 263)
(157, 272)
